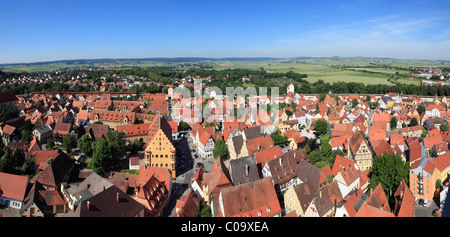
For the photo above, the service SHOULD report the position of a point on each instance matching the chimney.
(247, 169)
(88, 203)
(118, 198)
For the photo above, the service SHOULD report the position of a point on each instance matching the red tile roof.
(263, 156)
(13, 186)
(253, 199)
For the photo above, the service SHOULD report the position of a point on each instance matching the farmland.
(334, 69)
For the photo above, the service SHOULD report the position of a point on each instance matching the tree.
(69, 142)
(443, 127)
(50, 143)
(135, 146)
(420, 109)
(101, 157)
(320, 126)
(278, 138)
(184, 126)
(413, 122)
(393, 123)
(111, 106)
(354, 102)
(389, 170)
(85, 145)
(220, 149)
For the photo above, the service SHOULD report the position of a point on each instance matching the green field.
(358, 69)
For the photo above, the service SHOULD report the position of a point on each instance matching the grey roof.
(238, 142)
(253, 132)
(244, 170)
(44, 129)
(93, 184)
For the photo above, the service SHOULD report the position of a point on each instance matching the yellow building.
(160, 151)
(360, 152)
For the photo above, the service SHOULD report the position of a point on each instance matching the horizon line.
(216, 58)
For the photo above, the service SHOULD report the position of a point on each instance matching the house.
(42, 157)
(434, 110)
(312, 195)
(422, 180)
(397, 139)
(97, 131)
(244, 170)
(257, 144)
(57, 172)
(12, 190)
(442, 163)
(154, 189)
(92, 185)
(112, 118)
(160, 151)
(263, 156)
(213, 182)
(404, 201)
(360, 152)
(282, 170)
(133, 163)
(235, 146)
(351, 204)
(255, 199)
(82, 117)
(62, 129)
(43, 133)
(8, 98)
(135, 132)
(188, 205)
(10, 134)
(206, 142)
(414, 131)
(376, 205)
(348, 179)
(112, 202)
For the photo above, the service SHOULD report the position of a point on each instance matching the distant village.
(231, 166)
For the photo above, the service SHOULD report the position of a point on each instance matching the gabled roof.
(253, 199)
(217, 176)
(377, 199)
(13, 186)
(112, 202)
(404, 201)
(56, 171)
(339, 163)
(265, 155)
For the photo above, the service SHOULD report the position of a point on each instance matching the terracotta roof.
(383, 147)
(13, 186)
(7, 129)
(377, 199)
(265, 155)
(62, 128)
(218, 176)
(370, 211)
(188, 205)
(254, 199)
(404, 201)
(134, 129)
(258, 144)
(442, 161)
(56, 171)
(43, 156)
(339, 163)
(429, 142)
(411, 129)
(112, 116)
(396, 139)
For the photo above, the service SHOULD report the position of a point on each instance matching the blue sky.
(44, 30)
